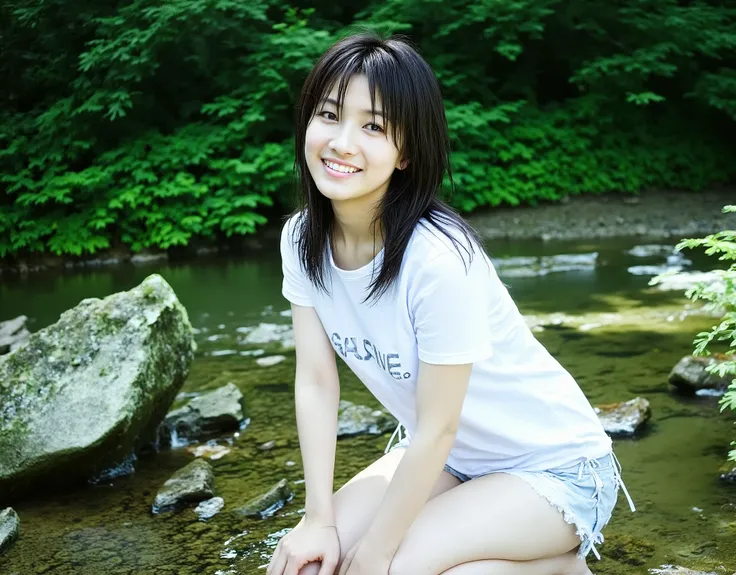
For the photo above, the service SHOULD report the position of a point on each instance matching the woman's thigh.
(357, 502)
(497, 516)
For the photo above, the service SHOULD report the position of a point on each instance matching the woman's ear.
(403, 164)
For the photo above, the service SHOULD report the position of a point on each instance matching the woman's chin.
(339, 195)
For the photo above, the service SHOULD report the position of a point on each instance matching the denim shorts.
(584, 492)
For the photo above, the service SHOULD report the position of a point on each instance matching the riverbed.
(626, 338)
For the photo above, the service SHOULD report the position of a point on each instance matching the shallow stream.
(630, 338)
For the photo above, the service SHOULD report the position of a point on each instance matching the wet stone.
(362, 420)
(9, 527)
(105, 373)
(209, 508)
(683, 281)
(269, 333)
(626, 418)
(270, 360)
(191, 484)
(523, 267)
(210, 413)
(690, 375)
(268, 503)
(677, 570)
(729, 476)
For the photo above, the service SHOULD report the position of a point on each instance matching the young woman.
(505, 467)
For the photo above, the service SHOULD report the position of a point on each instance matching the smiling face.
(349, 151)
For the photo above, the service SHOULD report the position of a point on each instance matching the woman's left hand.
(366, 559)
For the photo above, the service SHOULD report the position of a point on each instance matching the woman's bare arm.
(317, 391)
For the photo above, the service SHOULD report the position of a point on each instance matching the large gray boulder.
(690, 375)
(90, 389)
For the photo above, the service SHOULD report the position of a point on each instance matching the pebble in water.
(270, 360)
(209, 508)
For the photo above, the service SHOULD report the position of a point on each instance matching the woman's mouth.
(339, 170)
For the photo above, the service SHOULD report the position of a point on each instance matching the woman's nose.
(344, 141)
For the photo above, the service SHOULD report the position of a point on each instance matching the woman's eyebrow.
(366, 112)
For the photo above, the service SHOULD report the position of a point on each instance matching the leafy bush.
(719, 297)
(150, 125)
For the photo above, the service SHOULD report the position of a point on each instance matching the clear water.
(685, 515)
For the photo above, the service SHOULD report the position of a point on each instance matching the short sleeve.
(295, 286)
(450, 310)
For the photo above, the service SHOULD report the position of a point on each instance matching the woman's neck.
(356, 238)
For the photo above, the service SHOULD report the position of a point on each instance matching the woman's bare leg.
(357, 501)
(567, 564)
(490, 518)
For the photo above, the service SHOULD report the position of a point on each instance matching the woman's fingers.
(293, 566)
(328, 566)
(278, 563)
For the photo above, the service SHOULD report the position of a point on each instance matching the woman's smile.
(339, 170)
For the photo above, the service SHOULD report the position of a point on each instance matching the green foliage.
(719, 298)
(149, 124)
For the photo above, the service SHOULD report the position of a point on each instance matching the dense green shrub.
(719, 298)
(150, 124)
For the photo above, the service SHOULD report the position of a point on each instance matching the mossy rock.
(191, 484)
(268, 503)
(89, 390)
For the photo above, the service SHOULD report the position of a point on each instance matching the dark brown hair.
(412, 106)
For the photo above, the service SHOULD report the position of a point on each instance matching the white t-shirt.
(522, 410)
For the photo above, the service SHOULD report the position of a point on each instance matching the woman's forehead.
(357, 94)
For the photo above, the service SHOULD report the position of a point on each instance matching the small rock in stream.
(269, 333)
(210, 451)
(359, 419)
(270, 360)
(9, 527)
(729, 476)
(677, 570)
(268, 503)
(683, 281)
(191, 484)
(690, 375)
(523, 267)
(207, 414)
(624, 419)
(209, 508)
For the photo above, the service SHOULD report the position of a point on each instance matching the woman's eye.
(375, 128)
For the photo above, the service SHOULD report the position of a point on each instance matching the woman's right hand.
(306, 543)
